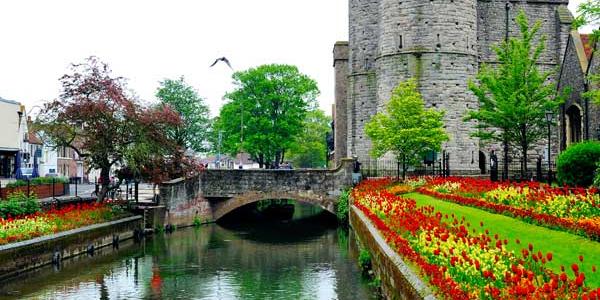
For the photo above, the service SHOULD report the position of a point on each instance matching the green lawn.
(565, 247)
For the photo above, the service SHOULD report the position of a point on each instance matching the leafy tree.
(266, 112)
(406, 128)
(192, 134)
(310, 147)
(515, 95)
(589, 14)
(106, 127)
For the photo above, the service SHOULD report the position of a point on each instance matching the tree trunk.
(524, 146)
(105, 179)
(404, 167)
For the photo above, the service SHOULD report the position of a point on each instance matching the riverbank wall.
(17, 258)
(398, 281)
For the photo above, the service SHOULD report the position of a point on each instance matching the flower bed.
(576, 210)
(459, 262)
(56, 220)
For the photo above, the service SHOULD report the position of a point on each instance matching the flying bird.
(223, 59)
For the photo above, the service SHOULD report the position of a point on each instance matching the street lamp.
(549, 120)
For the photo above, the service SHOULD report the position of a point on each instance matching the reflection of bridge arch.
(223, 208)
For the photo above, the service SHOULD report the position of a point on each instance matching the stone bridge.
(214, 193)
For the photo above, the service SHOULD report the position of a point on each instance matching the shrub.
(18, 204)
(364, 261)
(37, 181)
(576, 165)
(597, 176)
(343, 207)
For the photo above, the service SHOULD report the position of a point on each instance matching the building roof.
(587, 45)
(9, 101)
(34, 139)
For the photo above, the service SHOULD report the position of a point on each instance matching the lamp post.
(549, 120)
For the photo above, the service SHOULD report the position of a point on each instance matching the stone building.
(579, 119)
(440, 43)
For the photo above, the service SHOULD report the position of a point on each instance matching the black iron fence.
(536, 170)
(393, 168)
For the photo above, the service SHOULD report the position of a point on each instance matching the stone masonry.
(214, 193)
(340, 63)
(440, 43)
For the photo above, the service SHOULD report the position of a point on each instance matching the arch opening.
(574, 133)
(274, 210)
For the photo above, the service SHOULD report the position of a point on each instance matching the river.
(306, 258)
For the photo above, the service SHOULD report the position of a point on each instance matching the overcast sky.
(147, 41)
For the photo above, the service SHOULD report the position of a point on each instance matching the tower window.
(400, 42)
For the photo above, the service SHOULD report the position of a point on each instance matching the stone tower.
(441, 44)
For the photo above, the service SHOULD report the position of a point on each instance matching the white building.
(13, 123)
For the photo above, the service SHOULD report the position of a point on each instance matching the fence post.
(136, 191)
(53, 187)
(0, 189)
(28, 187)
(76, 181)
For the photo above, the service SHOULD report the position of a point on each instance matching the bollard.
(115, 241)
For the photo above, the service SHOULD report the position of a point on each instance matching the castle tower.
(441, 44)
(362, 84)
(435, 43)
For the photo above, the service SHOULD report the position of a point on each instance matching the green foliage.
(364, 260)
(309, 149)
(193, 133)
(37, 181)
(18, 204)
(266, 112)
(597, 176)
(588, 14)
(406, 128)
(197, 221)
(343, 207)
(576, 165)
(514, 95)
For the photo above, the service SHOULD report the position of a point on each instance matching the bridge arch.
(225, 207)
(214, 193)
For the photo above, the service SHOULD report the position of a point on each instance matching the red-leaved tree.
(110, 129)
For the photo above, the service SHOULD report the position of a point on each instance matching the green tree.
(406, 128)
(515, 95)
(310, 147)
(589, 14)
(266, 112)
(193, 134)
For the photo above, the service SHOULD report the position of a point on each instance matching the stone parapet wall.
(16, 258)
(398, 281)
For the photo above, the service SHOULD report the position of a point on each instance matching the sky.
(147, 41)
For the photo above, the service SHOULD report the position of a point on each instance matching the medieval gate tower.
(441, 44)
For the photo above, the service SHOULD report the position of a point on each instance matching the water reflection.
(299, 259)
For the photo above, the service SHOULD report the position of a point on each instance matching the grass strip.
(565, 247)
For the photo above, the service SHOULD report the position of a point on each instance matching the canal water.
(304, 258)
